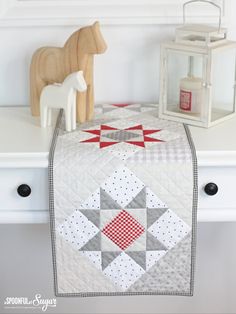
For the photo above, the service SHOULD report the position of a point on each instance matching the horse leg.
(90, 102)
(49, 119)
(68, 118)
(81, 106)
(43, 115)
(73, 116)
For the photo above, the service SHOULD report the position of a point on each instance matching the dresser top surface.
(21, 134)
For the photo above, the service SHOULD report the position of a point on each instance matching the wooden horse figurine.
(51, 64)
(62, 96)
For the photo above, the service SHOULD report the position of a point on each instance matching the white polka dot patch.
(123, 186)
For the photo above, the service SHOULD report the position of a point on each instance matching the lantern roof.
(200, 35)
(202, 28)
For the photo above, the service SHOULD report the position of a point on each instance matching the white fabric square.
(93, 202)
(123, 186)
(123, 150)
(152, 257)
(123, 271)
(94, 257)
(152, 201)
(169, 229)
(77, 229)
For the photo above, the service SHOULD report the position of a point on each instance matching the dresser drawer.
(37, 179)
(225, 179)
(12, 178)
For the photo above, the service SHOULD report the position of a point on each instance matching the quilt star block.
(119, 225)
(116, 136)
(125, 226)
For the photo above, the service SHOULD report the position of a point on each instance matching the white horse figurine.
(62, 96)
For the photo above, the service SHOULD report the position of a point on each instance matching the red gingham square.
(123, 229)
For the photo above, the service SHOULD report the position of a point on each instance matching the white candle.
(191, 93)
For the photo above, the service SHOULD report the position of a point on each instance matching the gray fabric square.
(121, 135)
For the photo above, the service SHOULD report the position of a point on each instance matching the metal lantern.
(197, 79)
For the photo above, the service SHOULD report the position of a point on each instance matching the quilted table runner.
(123, 201)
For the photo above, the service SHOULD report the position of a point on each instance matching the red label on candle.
(185, 100)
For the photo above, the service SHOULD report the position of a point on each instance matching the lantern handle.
(205, 1)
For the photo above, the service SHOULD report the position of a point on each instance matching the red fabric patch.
(150, 139)
(123, 230)
(106, 127)
(146, 132)
(91, 140)
(105, 144)
(136, 127)
(136, 143)
(120, 105)
(96, 132)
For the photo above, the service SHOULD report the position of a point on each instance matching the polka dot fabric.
(94, 257)
(169, 229)
(77, 230)
(123, 271)
(123, 186)
(121, 201)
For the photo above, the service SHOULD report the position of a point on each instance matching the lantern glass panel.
(183, 89)
(223, 83)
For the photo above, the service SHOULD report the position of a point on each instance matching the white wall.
(127, 72)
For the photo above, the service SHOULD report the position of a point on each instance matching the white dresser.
(24, 150)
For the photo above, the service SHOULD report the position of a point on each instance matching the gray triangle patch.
(94, 244)
(153, 244)
(106, 202)
(92, 215)
(139, 201)
(153, 214)
(139, 258)
(108, 257)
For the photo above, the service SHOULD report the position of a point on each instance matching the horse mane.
(73, 39)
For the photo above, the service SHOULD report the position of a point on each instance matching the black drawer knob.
(211, 189)
(24, 190)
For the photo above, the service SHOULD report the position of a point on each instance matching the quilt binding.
(53, 230)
